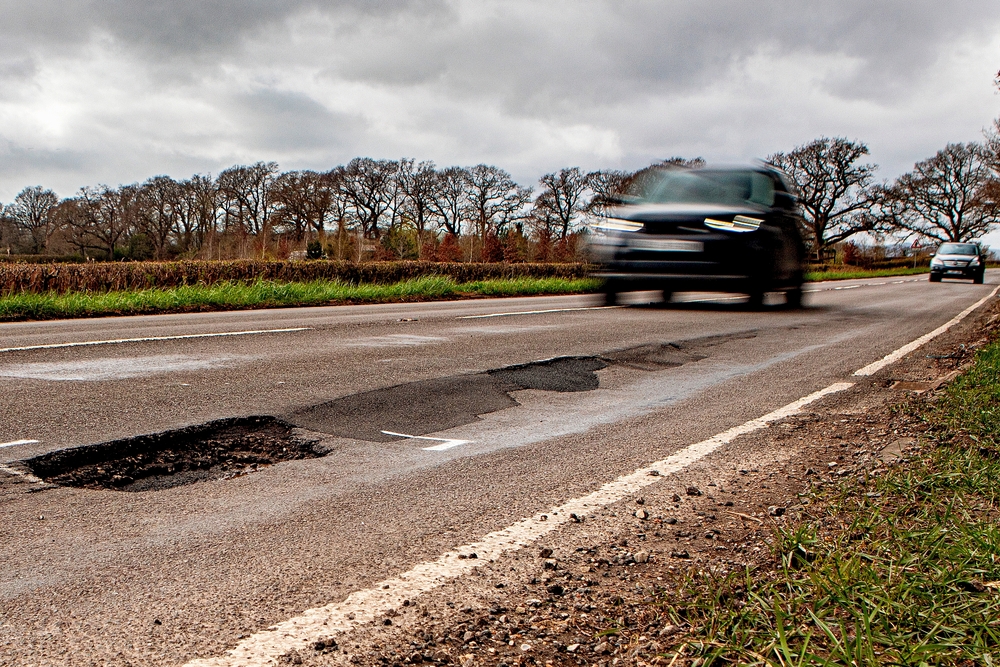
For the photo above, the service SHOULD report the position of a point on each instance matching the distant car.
(729, 229)
(958, 260)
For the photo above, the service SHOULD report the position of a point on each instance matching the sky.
(121, 90)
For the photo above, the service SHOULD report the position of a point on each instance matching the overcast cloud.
(115, 92)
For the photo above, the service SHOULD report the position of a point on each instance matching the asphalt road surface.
(401, 431)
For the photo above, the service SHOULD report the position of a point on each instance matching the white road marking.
(364, 606)
(118, 341)
(446, 443)
(848, 287)
(876, 366)
(116, 368)
(15, 443)
(535, 312)
(395, 340)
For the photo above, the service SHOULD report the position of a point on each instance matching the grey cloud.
(273, 121)
(177, 28)
(467, 80)
(536, 57)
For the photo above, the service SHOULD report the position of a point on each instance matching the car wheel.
(793, 297)
(666, 296)
(935, 277)
(978, 279)
(756, 299)
(610, 290)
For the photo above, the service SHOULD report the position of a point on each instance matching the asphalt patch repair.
(439, 404)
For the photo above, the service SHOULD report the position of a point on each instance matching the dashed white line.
(446, 443)
(535, 312)
(895, 355)
(15, 443)
(146, 339)
(364, 606)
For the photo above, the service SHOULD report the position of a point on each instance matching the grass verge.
(268, 294)
(854, 274)
(904, 570)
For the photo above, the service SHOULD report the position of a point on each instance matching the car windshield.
(958, 249)
(704, 186)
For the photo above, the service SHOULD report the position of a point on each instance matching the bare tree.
(99, 218)
(563, 194)
(369, 187)
(834, 188)
(948, 197)
(303, 201)
(197, 211)
(71, 217)
(421, 187)
(494, 200)
(450, 204)
(248, 196)
(31, 214)
(158, 201)
(607, 187)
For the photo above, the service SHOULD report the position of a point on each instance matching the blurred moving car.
(958, 260)
(730, 229)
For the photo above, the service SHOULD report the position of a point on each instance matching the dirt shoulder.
(609, 590)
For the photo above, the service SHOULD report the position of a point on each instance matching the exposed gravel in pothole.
(216, 450)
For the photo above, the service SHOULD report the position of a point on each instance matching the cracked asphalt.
(96, 576)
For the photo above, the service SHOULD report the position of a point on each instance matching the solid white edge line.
(15, 443)
(364, 606)
(876, 366)
(534, 312)
(118, 341)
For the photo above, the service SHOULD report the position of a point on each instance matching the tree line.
(407, 209)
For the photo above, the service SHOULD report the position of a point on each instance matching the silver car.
(958, 260)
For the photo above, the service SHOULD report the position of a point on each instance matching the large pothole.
(233, 447)
(215, 450)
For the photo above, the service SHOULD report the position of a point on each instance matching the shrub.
(18, 278)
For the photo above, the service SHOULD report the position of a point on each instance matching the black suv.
(958, 260)
(731, 229)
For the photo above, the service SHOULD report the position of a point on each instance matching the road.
(164, 576)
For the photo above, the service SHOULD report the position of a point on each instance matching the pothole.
(232, 447)
(215, 450)
(431, 406)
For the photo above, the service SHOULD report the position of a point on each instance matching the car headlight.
(936, 262)
(740, 223)
(617, 225)
(974, 262)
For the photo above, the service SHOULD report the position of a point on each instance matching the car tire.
(978, 279)
(935, 277)
(610, 290)
(756, 300)
(793, 297)
(666, 296)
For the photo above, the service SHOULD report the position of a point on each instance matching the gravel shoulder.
(609, 590)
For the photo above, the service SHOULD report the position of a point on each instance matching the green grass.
(908, 574)
(853, 274)
(265, 294)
